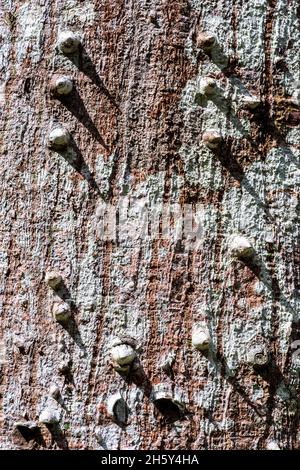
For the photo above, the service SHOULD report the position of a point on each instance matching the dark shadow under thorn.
(72, 329)
(75, 105)
(85, 64)
(74, 157)
(58, 436)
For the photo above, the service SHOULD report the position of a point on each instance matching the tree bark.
(137, 116)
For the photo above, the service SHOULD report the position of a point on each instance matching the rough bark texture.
(136, 118)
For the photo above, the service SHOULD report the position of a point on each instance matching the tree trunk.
(178, 143)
